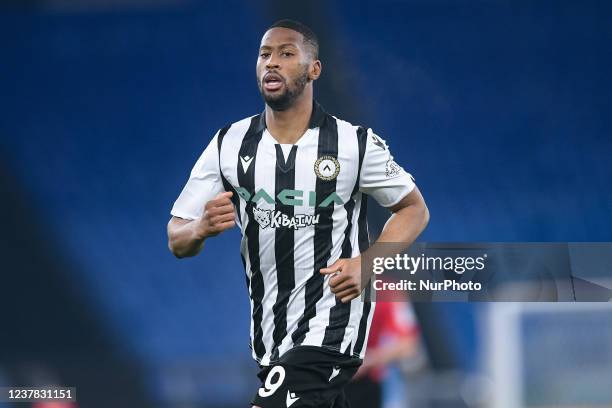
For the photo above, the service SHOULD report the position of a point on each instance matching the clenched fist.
(219, 215)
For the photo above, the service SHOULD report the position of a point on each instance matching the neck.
(288, 126)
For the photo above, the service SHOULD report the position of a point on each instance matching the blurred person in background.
(394, 337)
(296, 180)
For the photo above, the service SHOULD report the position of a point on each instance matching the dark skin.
(284, 53)
(408, 219)
(186, 237)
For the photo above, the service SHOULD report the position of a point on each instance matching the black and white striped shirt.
(300, 207)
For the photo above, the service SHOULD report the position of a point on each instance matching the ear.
(315, 70)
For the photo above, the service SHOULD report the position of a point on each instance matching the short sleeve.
(381, 177)
(203, 185)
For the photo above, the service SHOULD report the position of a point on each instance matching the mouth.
(272, 82)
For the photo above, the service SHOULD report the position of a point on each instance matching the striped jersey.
(300, 208)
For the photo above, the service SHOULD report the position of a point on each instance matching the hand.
(218, 216)
(346, 282)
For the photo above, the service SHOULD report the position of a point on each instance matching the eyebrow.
(267, 47)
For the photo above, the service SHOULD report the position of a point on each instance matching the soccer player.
(296, 180)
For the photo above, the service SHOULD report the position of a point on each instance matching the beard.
(292, 90)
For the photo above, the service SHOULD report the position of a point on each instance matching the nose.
(272, 63)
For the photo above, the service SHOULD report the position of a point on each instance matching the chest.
(307, 175)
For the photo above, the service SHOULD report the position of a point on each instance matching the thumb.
(225, 194)
(333, 268)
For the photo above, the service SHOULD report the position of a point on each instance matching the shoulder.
(238, 128)
(365, 135)
(347, 129)
(350, 132)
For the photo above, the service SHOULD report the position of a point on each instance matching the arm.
(392, 187)
(186, 237)
(203, 209)
(410, 217)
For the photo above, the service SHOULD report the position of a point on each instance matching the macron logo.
(291, 398)
(246, 162)
(334, 374)
(378, 142)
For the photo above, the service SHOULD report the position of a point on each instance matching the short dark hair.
(310, 38)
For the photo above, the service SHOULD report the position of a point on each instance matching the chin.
(278, 107)
(278, 94)
(278, 102)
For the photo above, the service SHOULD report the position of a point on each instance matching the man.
(294, 179)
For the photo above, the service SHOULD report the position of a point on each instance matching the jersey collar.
(316, 118)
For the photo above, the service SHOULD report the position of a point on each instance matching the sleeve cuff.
(183, 215)
(403, 193)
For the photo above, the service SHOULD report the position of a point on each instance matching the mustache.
(275, 73)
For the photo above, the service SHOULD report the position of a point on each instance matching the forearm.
(402, 229)
(405, 225)
(185, 239)
(410, 217)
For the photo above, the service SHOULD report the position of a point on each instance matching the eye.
(287, 54)
(264, 54)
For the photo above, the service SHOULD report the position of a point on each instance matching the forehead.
(280, 35)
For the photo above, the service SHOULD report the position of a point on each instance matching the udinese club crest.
(327, 168)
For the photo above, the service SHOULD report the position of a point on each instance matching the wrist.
(201, 230)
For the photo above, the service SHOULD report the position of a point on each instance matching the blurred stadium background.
(500, 109)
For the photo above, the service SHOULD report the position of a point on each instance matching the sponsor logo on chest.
(294, 198)
(277, 219)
